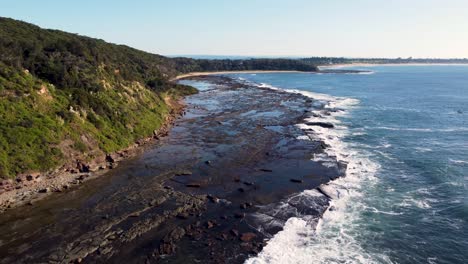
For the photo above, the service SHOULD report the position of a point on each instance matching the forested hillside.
(64, 96)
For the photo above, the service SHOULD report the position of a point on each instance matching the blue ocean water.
(405, 199)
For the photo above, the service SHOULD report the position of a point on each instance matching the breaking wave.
(330, 238)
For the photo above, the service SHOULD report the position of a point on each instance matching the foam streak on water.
(330, 239)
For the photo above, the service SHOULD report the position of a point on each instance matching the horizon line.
(311, 56)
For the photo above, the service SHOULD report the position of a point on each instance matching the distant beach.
(194, 74)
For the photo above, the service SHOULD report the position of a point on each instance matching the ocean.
(403, 130)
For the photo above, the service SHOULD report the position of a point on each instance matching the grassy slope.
(58, 101)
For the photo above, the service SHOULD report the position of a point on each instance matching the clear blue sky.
(352, 28)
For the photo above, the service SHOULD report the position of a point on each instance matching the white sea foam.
(331, 238)
(450, 129)
(363, 72)
(458, 161)
(422, 149)
(411, 202)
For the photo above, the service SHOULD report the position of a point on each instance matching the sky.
(338, 28)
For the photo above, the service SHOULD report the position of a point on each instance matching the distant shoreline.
(321, 67)
(387, 64)
(193, 74)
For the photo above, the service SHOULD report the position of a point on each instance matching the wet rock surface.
(225, 179)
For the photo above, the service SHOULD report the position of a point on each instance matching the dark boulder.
(296, 180)
(247, 237)
(321, 124)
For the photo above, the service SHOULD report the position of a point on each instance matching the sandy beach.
(194, 74)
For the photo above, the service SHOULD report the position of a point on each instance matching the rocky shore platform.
(206, 193)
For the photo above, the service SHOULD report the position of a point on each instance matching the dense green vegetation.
(62, 94)
(201, 65)
(341, 60)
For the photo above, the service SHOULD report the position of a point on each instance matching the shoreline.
(320, 67)
(27, 189)
(196, 74)
(196, 193)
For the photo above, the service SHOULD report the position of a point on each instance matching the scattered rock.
(212, 198)
(321, 124)
(6, 182)
(248, 183)
(296, 180)
(110, 158)
(210, 224)
(184, 173)
(239, 215)
(136, 214)
(83, 168)
(234, 232)
(168, 242)
(247, 237)
(323, 145)
(45, 190)
(246, 205)
(167, 248)
(183, 216)
(81, 177)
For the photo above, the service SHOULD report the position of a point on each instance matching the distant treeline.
(341, 60)
(186, 65)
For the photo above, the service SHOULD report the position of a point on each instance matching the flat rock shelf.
(206, 193)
